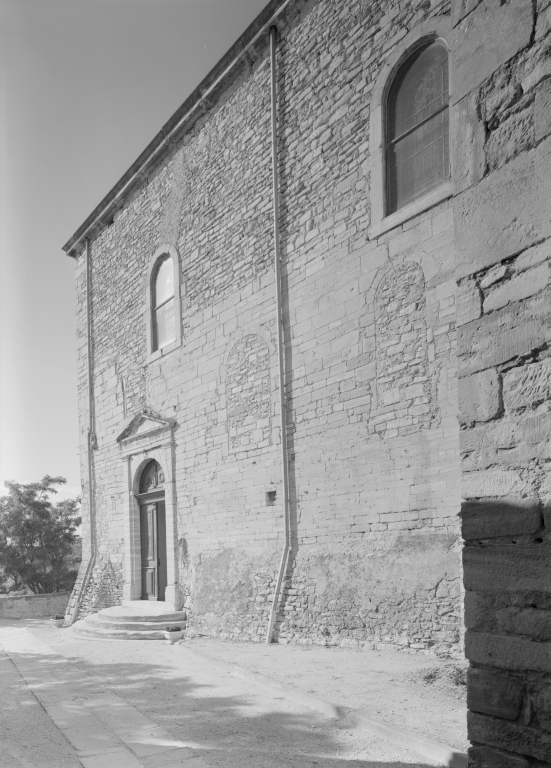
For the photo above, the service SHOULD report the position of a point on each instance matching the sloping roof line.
(171, 130)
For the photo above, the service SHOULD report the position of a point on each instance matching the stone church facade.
(415, 334)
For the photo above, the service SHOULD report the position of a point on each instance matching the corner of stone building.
(503, 237)
(103, 587)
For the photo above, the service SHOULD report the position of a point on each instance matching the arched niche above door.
(152, 477)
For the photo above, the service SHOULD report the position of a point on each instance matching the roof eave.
(172, 129)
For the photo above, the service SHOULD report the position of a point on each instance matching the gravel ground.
(416, 692)
(232, 724)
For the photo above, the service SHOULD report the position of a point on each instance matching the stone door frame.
(149, 438)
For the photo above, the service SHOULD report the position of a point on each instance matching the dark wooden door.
(161, 550)
(149, 537)
(153, 537)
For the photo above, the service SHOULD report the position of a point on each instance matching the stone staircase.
(135, 620)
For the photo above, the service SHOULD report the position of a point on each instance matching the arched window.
(417, 126)
(163, 304)
(164, 315)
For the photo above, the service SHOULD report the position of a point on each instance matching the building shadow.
(225, 730)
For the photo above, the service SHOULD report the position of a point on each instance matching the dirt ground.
(233, 724)
(416, 692)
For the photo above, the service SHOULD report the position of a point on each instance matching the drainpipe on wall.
(92, 443)
(280, 343)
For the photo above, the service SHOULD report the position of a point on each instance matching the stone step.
(170, 618)
(132, 621)
(141, 612)
(107, 614)
(144, 626)
(84, 630)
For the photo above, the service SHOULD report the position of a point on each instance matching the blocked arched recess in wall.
(247, 390)
(404, 385)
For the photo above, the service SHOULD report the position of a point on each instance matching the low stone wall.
(32, 606)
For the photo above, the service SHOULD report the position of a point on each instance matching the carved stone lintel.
(145, 432)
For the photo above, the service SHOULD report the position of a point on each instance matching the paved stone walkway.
(104, 730)
(109, 704)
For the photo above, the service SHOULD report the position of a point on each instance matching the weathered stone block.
(543, 23)
(533, 256)
(479, 397)
(460, 9)
(547, 514)
(512, 136)
(474, 610)
(527, 386)
(527, 621)
(505, 213)
(511, 569)
(493, 694)
(542, 706)
(513, 653)
(488, 757)
(513, 441)
(539, 71)
(493, 275)
(468, 147)
(493, 518)
(474, 59)
(519, 287)
(542, 111)
(507, 333)
(517, 738)
(468, 302)
(489, 483)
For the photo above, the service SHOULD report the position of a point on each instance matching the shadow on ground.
(229, 731)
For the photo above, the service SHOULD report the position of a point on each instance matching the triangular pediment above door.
(145, 424)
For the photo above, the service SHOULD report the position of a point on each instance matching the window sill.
(429, 200)
(164, 351)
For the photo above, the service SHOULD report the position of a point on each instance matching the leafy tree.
(37, 537)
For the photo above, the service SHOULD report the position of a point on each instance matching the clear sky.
(84, 87)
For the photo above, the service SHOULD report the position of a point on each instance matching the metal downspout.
(280, 342)
(91, 415)
(91, 437)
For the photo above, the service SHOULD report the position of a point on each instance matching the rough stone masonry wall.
(373, 444)
(103, 589)
(220, 385)
(503, 236)
(371, 356)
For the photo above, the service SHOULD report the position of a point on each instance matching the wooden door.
(148, 530)
(153, 538)
(161, 550)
